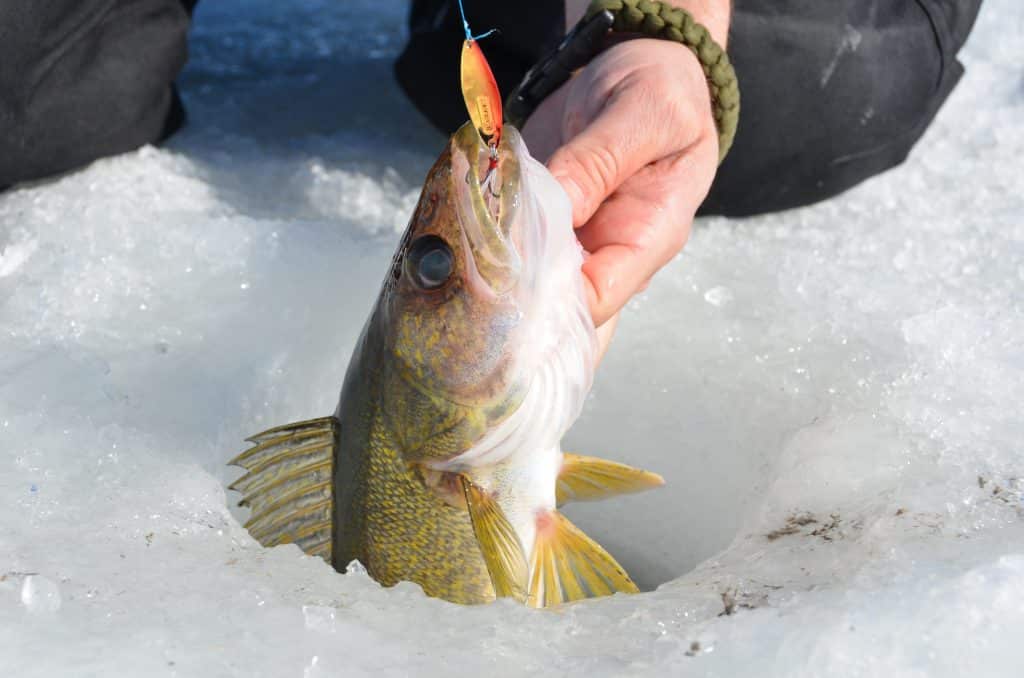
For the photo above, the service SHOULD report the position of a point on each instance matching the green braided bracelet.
(659, 20)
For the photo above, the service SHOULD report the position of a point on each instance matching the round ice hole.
(663, 421)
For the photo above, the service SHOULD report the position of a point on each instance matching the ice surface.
(833, 394)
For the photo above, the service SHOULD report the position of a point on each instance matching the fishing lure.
(480, 91)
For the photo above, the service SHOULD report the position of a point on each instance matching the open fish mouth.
(487, 199)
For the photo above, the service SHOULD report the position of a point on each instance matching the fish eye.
(429, 262)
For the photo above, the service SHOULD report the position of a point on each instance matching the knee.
(829, 100)
(83, 82)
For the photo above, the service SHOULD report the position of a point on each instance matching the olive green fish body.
(385, 516)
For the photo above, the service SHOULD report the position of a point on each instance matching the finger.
(626, 135)
(639, 229)
(611, 279)
(605, 333)
(639, 213)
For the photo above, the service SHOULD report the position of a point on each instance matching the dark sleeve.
(833, 93)
(83, 79)
(952, 21)
(428, 68)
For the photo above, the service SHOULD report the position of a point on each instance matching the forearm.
(714, 14)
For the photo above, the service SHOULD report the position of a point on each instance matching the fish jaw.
(455, 348)
(556, 353)
(514, 297)
(487, 196)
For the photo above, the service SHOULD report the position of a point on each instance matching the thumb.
(612, 148)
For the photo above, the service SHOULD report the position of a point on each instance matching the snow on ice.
(833, 395)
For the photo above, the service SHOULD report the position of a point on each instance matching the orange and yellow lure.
(480, 90)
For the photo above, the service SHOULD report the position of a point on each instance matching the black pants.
(84, 79)
(833, 92)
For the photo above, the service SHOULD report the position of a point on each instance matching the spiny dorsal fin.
(590, 478)
(288, 485)
(498, 541)
(568, 565)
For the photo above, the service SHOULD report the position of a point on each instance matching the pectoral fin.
(589, 479)
(288, 485)
(568, 565)
(499, 544)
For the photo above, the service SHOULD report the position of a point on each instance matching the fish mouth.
(487, 197)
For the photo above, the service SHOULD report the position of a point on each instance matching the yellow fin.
(568, 565)
(589, 479)
(498, 541)
(289, 486)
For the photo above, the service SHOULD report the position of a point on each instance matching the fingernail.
(572, 189)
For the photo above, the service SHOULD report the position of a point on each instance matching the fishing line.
(465, 26)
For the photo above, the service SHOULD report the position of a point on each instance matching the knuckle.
(595, 167)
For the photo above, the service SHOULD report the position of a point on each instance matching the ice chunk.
(40, 594)
(718, 296)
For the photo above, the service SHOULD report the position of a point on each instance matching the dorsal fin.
(590, 478)
(568, 565)
(288, 485)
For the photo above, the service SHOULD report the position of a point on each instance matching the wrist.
(715, 15)
(665, 21)
(675, 73)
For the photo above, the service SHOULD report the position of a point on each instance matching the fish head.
(460, 303)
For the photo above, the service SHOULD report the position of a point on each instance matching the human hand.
(632, 140)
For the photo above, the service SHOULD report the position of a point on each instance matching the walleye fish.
(442, 464)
